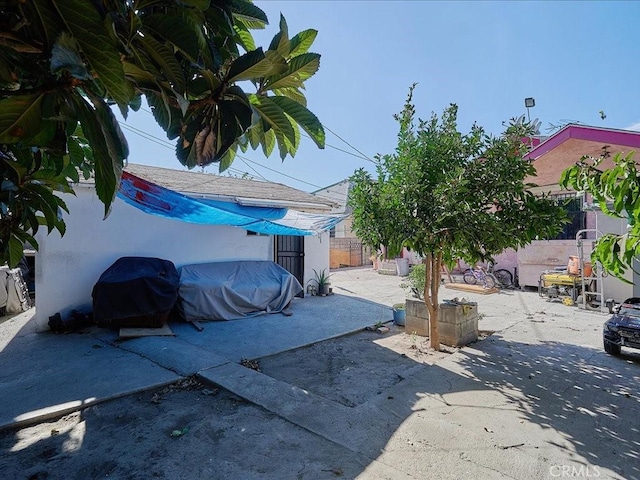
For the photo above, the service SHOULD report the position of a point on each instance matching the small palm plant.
(322, 281)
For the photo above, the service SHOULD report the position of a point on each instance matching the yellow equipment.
(559, 284)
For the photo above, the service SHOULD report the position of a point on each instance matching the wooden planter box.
(457, 324)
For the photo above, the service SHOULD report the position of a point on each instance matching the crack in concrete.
(473, 462)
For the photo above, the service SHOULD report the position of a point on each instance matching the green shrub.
(415, 281)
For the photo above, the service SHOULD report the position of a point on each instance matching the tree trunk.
(433, 267)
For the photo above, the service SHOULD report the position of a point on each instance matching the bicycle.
(504, 277)
(473, 275)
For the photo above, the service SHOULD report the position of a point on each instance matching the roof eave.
(606, 136)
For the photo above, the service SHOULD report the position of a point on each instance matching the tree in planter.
(63, 63)
(448, 195)
(617, 192)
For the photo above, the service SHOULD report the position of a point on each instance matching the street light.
(529, 102)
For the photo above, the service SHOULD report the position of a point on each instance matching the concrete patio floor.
(46, 374)
(537, 394)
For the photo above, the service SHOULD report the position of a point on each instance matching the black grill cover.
(135, 287)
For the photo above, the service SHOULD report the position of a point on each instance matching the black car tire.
(611, 348)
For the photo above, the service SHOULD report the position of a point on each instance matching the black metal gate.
(290, 256)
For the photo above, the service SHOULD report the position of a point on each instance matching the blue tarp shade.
(157, 200)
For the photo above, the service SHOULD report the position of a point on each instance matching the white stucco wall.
(612, 287)
(67, 268)
(316, 256)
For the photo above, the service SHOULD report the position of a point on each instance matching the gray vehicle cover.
(236, 289)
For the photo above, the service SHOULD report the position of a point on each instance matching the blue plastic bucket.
(399, 314)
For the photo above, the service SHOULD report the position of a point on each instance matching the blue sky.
(574, 58)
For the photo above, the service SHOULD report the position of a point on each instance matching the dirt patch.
(193, 430)
(185, 431)
(352, 369)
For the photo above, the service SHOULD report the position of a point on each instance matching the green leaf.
(168, 65)
(107, 171)
(255, 134)
(245, 37)
(46, 135)
(299, 69)
(201, 5)
(143, 78)
(292, 93)
(302, 116)
(49, 20)
(273, 114)
(136, 103)
(229, 125)
(15, 251)
(238, 111)
(280, 42)
(284, 145)
(268, 142)
(46, 202)
(161, 111)
(6, 73)
(254, 65)
(248, 13)
(115, 139)
(173, 29)
(277, 61)
(301, 42)
(86, 25)
(20, 167)
(227, 160)
(20, 117)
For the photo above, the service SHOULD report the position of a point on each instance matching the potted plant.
(399, 315)
(322, 281)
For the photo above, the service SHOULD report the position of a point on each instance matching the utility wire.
(166, 144)
(363, 155)
(163, 143)
(280, 173)
(360, 154)
(256, 172)
(147, 136)
(341, 150)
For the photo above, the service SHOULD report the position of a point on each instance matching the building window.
(577, 218)
(332, 232)
(251, 233)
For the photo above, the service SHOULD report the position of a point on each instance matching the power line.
(257, 173)
(340, 149)
(363, 155)
(147, 136)
(164, 143)
(280, 173)
(285, 175)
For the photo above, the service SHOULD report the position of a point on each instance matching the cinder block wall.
(457, 324)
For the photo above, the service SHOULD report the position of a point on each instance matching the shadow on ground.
(524, 410)
(367, 406)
